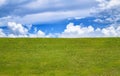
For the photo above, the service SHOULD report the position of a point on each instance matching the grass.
(60, 57)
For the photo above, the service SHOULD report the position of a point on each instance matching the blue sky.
(60, 18)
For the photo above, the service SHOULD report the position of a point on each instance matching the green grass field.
(60, 57)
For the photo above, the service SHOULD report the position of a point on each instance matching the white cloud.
(107, 4)
(45, 17)
(113, 3)
(59, 4)
(108, 12)
(16, 36)
(111, 31)
(71, 31)
(31, 11)
(52, 16)
(75, 31)
(38, 34)
(17, 29)
(2, 34)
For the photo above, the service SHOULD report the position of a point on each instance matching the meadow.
(60, 57)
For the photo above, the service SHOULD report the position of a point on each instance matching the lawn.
(59, 57)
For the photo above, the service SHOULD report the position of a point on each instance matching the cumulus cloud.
(17, 29)
(71, 31)
(76, 31)
(2, 34)
(111, 31)
(38, 34)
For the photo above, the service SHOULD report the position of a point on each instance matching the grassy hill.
(60, 57)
